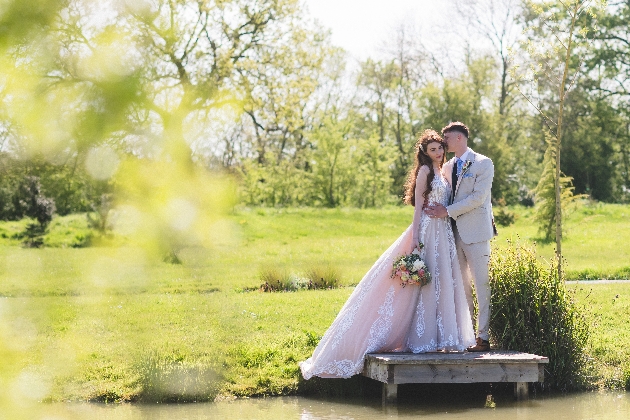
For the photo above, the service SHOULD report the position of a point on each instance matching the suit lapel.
(471, 159)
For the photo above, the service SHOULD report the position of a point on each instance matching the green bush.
(533, 312)
(317, 277)
(276, 280)
(323, 277)
(68, 186)
(504, 217)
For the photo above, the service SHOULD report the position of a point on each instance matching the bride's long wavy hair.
(427, 137)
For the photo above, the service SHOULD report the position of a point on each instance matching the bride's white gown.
(382, 316)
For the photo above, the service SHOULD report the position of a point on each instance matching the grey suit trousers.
(474, 260)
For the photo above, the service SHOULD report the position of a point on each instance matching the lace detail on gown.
(382, 316)
(383, 325)
(442, 319)
(352, 310)
(365, 322)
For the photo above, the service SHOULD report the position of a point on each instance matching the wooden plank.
(390, 393)
(496, 366)
(460, 373)
(521, 391)
(492, 357)
(381, 372)
(393, 369)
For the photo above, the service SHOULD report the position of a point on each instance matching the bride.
(383, 316)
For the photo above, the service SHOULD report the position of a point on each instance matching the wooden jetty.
(393, 369)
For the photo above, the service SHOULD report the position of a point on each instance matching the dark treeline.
(255, 88)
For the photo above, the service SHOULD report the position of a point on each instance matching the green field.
(116, 324)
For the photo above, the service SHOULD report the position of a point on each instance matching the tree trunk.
(175, 145)
(559, 142)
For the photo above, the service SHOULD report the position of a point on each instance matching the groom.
(471, 216)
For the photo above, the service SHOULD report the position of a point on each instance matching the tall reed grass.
(533, 312)
(165, 379)
(316, 277)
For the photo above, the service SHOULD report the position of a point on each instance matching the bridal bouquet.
(411, 269)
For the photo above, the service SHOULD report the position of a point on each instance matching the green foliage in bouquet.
(411, 269)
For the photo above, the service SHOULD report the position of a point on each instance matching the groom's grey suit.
(471, 209)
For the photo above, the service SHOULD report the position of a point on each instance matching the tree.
(556, 22)
(591, 147)
(51, 65)
(545, 193)
(496, 21)
(389, 97)
(193, 52)
(29, 201)
(608, 70)
(332, 163)
(611, 39)
(281, 91)
(372, 160)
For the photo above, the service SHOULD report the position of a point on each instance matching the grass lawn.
(595, 240)
(114, 323)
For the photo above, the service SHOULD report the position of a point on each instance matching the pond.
(607, 405)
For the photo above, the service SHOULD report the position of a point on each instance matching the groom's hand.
(437, 210)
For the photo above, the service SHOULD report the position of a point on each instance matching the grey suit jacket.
(471, 207)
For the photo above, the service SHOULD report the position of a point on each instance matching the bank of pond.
(419, 401)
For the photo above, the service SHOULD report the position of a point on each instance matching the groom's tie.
(457, 171)
(457, 168)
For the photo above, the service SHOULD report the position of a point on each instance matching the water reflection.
(601, 405)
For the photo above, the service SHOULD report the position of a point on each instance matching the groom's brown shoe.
(482, 345)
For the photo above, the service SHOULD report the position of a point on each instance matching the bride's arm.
(421, 187)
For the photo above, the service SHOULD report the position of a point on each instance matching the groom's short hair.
(460, 127)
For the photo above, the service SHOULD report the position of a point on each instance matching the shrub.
(68, 185)
(323, 277)
(33, 235)
(317, 277)
(504, 217)
(29, 201)
(533, 312)
(275, 280)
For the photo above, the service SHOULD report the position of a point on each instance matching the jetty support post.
(390, 393)
(521, 390)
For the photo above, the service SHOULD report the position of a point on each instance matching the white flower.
(418, 265)
(415, 252)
